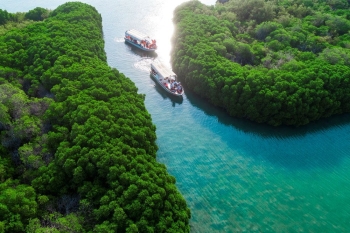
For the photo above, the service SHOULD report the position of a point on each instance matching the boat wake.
(119, 39)
(144, 64)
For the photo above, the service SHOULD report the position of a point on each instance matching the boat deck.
(137, 35)
(163, 70)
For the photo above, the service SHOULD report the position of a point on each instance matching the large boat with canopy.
(140, 40)
(167, 79)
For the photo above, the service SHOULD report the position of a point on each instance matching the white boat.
(140, 40)
(167, 79)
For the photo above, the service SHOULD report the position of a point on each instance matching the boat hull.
(139, 46)
(174, 94)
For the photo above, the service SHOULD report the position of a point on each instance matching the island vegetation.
(78, 151)
(269, 61)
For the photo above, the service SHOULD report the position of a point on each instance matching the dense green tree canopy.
(37, 14)
(274, 62)
(78, 151)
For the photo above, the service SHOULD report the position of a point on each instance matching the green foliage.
(21, 125)
(257, 10)
(336, 56)
(17, 205)
(264, 29)
(338, 25)
(37, 14)
(4, 16)
(274, 62)
(55, 222)
(78, 136)
(6, 167)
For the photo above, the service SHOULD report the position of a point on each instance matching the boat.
(140, 40)
(167, 79)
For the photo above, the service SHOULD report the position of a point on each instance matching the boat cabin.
(163, 71)
(140, 39)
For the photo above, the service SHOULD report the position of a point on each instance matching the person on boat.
(179, 87)
(173, 85)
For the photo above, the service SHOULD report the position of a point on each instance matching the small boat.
(140, 40)
(167, 79)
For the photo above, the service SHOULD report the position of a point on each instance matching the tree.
(17, 205)
(37, 14)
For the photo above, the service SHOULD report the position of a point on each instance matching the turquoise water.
(236, 176)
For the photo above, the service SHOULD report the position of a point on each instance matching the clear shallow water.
(236, 176)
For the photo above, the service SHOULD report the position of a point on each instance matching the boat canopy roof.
(137, 35)
(163, 70)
